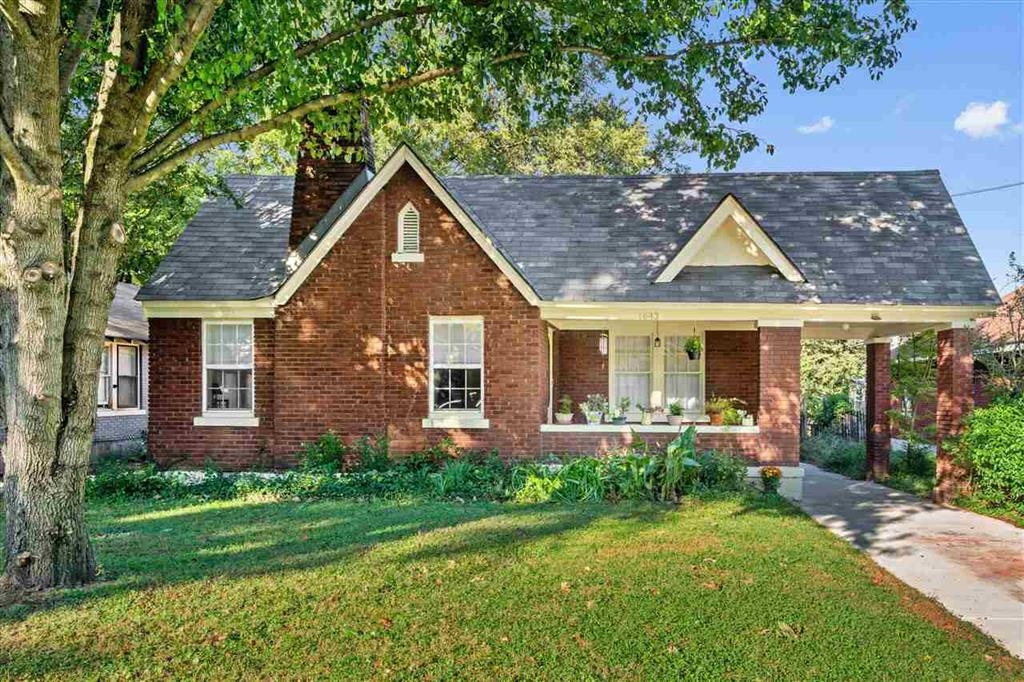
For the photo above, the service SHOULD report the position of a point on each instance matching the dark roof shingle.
(858, 237)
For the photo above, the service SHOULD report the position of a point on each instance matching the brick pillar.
(778, 413)
(955, 400)
(877, 401)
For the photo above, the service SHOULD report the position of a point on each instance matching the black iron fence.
(851, 426)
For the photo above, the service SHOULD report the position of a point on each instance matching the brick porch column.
(778, 414)
(877, 401)
(955, 400)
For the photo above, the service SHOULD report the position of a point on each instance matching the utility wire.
(988, 189)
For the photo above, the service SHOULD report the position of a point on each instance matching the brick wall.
(732, 365)
(955, 383)
(349, 351)
(778, 415)
(175, 398)
(580, 369)
(877, 401)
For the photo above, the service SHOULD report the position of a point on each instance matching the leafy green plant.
(992, 447)
(834, 453)
(582, 480)
(693, 345)
(326, 453)
(720, 471)
(718, 405)
(565, 404)
(373, 454)
(680, 465)
(675, 408)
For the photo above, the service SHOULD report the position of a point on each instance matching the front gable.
(730, 237)
(301, 265)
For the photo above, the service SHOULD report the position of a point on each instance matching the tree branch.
(15, 162)
(253, 77)
(11, 10)
(71, 55)
(163, 74)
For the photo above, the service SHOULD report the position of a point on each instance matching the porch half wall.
(760, 367)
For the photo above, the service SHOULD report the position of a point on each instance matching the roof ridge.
(647, 176)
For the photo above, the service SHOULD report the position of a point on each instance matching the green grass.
(733, 588)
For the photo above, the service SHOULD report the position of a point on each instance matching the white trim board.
(402, 156)
(731, 211)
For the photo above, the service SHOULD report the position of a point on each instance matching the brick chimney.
(322, 174)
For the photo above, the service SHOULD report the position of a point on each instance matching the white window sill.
(126, 412)
(639, 428)
(456, 421)
(407, 258)
(237, 419)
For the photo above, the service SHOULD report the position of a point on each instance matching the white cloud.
(980, 119)
(822, 125)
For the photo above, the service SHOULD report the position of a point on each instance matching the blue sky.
(962, 52)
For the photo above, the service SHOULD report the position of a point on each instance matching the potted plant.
(693, 347)
(594, 408)
(770, 479)
(675, 413)
(564, 414)
(716, 407)
(617, 414)
(646, 415)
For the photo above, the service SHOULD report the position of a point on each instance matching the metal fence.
(851, 426)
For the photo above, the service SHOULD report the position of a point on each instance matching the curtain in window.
(682, 375)
(633, 369)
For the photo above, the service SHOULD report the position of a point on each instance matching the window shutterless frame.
(431, 411)
(243, 412)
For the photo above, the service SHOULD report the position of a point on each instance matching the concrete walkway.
(972, 564)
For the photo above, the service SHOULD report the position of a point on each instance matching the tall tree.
(155, 83)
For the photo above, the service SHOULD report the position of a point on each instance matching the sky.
(953, 102)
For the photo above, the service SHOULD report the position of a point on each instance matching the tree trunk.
(46, 542)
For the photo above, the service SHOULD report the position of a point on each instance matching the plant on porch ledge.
(594, 408)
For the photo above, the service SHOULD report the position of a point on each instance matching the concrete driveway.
(972, 564)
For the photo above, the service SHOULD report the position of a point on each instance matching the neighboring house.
(123, 393)
(425, 307)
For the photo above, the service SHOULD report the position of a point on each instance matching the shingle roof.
(858, 237)
(126, 320)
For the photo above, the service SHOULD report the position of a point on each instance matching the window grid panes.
(229, 366)
(633, 369)
(456, 355)
(682, 375)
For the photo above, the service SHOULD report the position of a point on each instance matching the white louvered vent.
(409, 230)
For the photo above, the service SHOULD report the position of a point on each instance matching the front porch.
(638, 354)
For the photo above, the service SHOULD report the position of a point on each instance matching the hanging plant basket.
(693, 347)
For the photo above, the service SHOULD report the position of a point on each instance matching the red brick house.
(424, 307)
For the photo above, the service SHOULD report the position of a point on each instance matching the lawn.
(732, 588)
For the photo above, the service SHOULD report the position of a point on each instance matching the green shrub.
(326, 453)
(582, 480)
(372, 454)
(116, 480)
(721, 471)
(534, 483)
(835, 453)
(993, 449)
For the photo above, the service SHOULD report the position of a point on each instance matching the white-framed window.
(457, 366)
(632, 369)
(129, 365)
(228, 383)
(655, 374)
(684, 378)
(103, 388)
(408, 236)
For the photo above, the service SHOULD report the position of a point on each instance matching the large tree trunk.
(46, 541)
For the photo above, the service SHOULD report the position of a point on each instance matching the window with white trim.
(683, 377)
(409, 230)
(633, 369)
(103, 387)
(227, 366)
(128, 371)
(456, 365)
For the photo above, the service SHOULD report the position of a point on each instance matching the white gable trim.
(403, 155)
(730, 207)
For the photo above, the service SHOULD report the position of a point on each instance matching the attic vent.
(408, 236)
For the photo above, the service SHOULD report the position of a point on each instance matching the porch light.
(602, 344)
(657, 342)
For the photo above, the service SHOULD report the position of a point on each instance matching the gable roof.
(855, 237)
(126, 320)
(730, 210)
